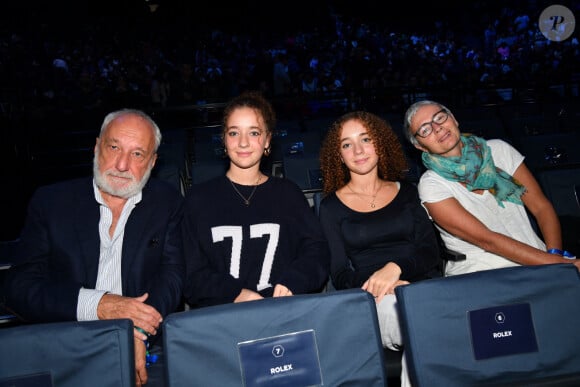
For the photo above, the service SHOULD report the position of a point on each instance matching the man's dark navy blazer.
(59, 251)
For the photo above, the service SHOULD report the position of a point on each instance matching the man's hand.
(146, 317)
(140, 363)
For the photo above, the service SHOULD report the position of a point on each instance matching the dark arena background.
(64, 64)
(503, 69)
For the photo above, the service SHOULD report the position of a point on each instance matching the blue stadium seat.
(304, 170)
(513, 326)
(7, 259)
(549, 150)
(292, 141)
(204, 170)
(68, 354)
(172, 163)
(561, 185)
(329, 339)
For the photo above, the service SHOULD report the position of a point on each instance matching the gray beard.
(126, 192)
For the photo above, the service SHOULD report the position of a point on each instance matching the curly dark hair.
(256, 101)
(392, 163)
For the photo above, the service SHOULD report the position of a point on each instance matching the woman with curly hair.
(379, 234)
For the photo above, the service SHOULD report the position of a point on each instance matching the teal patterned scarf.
(476, 169)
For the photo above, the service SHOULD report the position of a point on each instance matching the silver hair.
(116, 114)
(410, 113)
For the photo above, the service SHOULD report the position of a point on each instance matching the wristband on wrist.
(141, 330)
(568, 255)
(563, 253)
(149, 358)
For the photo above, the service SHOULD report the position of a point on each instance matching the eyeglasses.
(438, 118)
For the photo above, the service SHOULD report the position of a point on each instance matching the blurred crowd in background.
(147, 55)
(64, 64)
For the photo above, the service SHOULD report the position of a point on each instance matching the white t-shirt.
(512, 220)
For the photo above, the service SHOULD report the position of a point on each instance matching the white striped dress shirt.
(109, 278)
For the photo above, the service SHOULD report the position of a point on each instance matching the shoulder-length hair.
(392, 164)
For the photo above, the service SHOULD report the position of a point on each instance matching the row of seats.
(265, 343)
(193, 154)
(471, 329)
(295, 151)
(7, 250)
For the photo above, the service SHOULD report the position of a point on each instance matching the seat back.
(304, 170)
(549, 150)
(172, 164)
(510, 326)
(68, 354)
(560, 186)
(7, 259)
(205, 170)
(324, 338)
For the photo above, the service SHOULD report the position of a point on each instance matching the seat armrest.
(450, 255)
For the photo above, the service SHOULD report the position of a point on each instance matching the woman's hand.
(248, 295)
(281, 291)
(384, 281)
